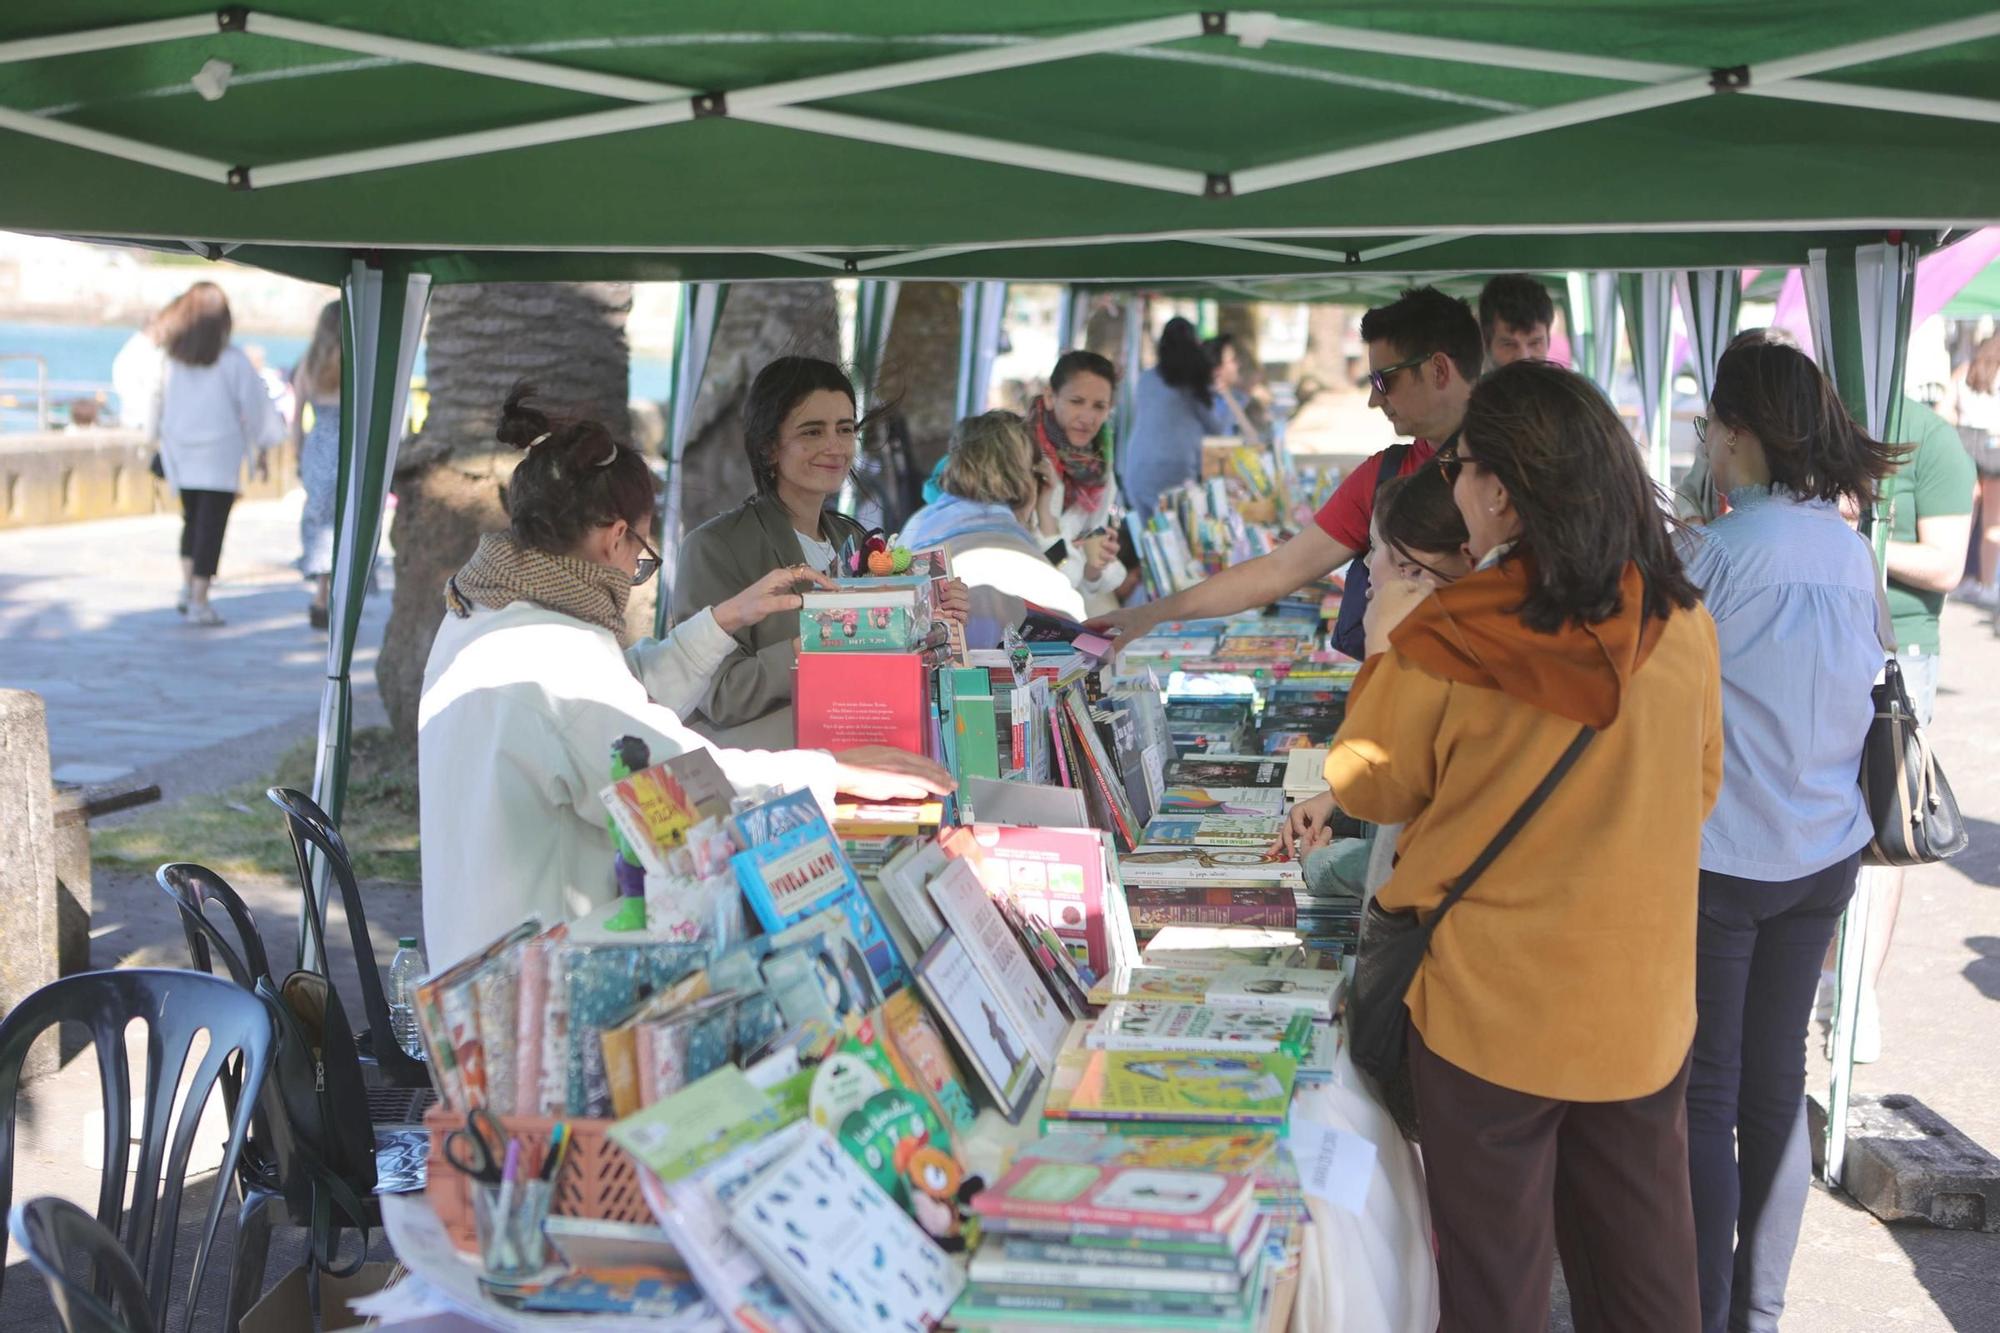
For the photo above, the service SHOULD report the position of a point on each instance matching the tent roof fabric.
(1121, 139)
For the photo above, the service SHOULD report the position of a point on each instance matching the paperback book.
(1213, 830)
(1226, 770)
(1166, 1087)
(804, 871)
(980, 928)
(1239, 801)
(1142, 1200)
(1150, 1025)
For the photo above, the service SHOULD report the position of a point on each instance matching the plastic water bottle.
(405, 971)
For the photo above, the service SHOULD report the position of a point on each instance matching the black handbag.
(1910, 805)
(1392, 947)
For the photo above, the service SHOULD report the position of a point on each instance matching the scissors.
(479, 1148)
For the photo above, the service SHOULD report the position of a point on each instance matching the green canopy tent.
(385, 146)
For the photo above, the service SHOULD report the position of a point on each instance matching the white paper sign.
(1335, 1167)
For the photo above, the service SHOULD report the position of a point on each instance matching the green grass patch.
(239, 833)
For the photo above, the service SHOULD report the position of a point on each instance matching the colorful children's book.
(1055, 875)
(654, 812)
(985, 1032)
(1221, 866)
(1239, 1088)
(1148, 1025)
(917, 1045)
(804, 871)
(1205, 1205)
(1241, 801)
(904, 881)
(840, 1247)
(697, 1124)
(773, 818)
(1226, 770)
(962, 902)
(1242, 1154)
(1213, 830)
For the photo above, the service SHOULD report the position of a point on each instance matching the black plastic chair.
(311, 831)
(175, 1006)
(53, 1232)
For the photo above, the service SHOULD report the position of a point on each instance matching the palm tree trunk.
(566, 339)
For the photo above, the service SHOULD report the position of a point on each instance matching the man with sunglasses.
(1424, 352)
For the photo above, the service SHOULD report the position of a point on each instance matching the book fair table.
(1365, 1262)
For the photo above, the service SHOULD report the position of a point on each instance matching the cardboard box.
(285, 1308)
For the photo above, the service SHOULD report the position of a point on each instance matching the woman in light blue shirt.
(1792, 591)
(1175, 406)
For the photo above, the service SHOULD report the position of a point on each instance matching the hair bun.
(521, 426)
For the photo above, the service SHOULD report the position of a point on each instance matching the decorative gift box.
(878, 615)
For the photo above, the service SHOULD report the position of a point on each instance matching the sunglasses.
(1380, 378)
(649, 563)
(1450, 464)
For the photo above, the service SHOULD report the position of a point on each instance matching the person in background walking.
(1552, 1015)
(316, 384)
(1792, 590)
(213, 411)
(1176, 407)
(1975, 403)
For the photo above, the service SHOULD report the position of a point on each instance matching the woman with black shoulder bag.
(1548, 729)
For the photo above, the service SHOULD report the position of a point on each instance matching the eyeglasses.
(649, 563)
(1380, 378)
(1701, 430)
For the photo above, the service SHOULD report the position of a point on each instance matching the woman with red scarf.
(1078, 516)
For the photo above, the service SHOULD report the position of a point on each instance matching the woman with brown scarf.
(530, 682)
(1078, 516)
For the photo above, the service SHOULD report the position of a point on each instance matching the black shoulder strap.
(1514, 825)
(1390, 467)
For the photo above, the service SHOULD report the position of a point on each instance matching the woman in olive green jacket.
(799, 430)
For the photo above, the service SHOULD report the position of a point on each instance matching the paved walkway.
(87, 621)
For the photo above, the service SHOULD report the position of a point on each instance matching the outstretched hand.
(884, 773)
(777, 591)
(1308, 826)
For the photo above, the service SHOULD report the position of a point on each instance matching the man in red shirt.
(1424, 353)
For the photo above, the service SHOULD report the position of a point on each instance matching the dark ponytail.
(576, 476)
(1771, 389)
(1182, 363)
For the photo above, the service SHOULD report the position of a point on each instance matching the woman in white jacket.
(992, 484)
(528, 685)
(213, 410)
(1068, 427)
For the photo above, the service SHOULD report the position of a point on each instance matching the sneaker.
(181, 602)
(204, 615)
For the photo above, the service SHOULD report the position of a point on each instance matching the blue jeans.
(1758, 950)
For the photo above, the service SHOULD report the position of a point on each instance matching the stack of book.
(1073, 1244)
(1210, 726)
(1210, 886)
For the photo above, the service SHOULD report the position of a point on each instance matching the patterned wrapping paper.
(604, 982)
(532, 1000)
(461, 1023)
(496, 998)
(552, 1092)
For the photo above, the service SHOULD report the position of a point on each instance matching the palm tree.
(567, 339)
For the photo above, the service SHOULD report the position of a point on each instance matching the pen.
(558, 1141)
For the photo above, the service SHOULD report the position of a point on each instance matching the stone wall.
(71, 475)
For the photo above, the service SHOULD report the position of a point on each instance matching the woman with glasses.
(1175, 407)
(1551, 1016)
(1793, 593)
(530, 682)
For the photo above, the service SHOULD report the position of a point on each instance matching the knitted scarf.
(503, 571)
(1083, 466)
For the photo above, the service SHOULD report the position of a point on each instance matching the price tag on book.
(1335, 1166)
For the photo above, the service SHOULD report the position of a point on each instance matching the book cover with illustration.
(1054, 875)
(1237, 1088)
(986, 1035)
(1213, 830)
(804, 871)
(1226, 770)
(1185, 799)
(841, 1247)
(654, 812)
(1242, 1154)
(1158, 906)
(1079, 1194)
(962, 900)
(1149, 1025)
(773, 818)
(1212, 948)
(1209, 865)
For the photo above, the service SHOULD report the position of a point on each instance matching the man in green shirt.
(1928, 501)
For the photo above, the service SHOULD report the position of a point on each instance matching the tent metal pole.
(1414, 243)
(1881, 99)
(1304, 32)
(667, 104)
(114, 145)
(108, 39)
(1320, 166)
(979, 148)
